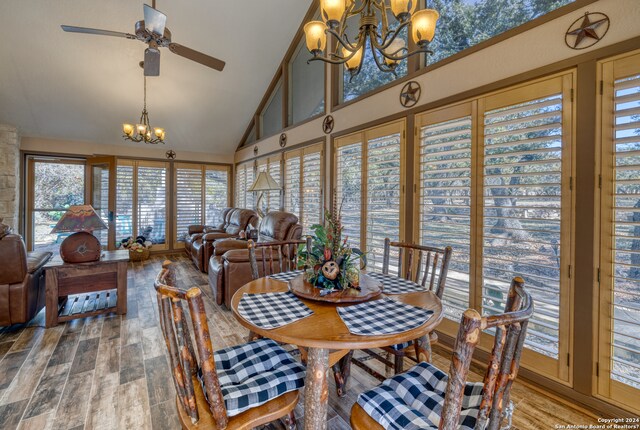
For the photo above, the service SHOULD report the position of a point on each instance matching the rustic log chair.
(424, 265)
(203, 398)
(461, 405)
(263, 261)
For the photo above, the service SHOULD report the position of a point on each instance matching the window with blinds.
(124, 202)
(244, 180)
(522, 212)
(189, 187)
(369, 188)
(619, 360)
(445, 199)
(216, 195)
(349, 191)
(152, 203)
(303, 185)
(271, 199)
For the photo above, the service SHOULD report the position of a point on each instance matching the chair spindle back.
(273, 257)
(424, 265)
(510, 331)
(177, 335)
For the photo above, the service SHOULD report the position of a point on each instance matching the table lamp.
(264, 182)
(81, 246)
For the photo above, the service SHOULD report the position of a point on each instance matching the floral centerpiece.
(138, 247)
(331, 264)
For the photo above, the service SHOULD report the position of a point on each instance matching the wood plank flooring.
(111, 372)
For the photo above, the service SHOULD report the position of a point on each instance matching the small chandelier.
(387, 46)
(143, 131)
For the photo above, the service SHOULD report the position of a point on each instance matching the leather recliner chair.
(237, 221)
(229, 267)
(22, 283)
(196, 232)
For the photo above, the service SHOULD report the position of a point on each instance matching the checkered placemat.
(286, 276)
(272, 310)
(384, 316)
(395, 285)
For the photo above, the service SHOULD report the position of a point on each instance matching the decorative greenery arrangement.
(331, 264)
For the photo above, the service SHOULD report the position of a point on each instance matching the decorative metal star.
(170, 154)
(410, 94)
(588, 29)
(327, 124)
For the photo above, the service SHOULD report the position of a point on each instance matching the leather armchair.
(237, 220)
(196, 232)
(22, 287)
(229, 267)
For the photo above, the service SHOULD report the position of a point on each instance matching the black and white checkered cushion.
(395, 285)
(286, 276)
(253, 373)
(413, 400)
(401, 346)
(272, 310)
(384, 316)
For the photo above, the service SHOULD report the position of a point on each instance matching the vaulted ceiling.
(83, 87)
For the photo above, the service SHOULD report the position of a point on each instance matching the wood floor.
(111, 372)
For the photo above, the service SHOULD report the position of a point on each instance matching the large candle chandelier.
(387, 45)
(143, 131)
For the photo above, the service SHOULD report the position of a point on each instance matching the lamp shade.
(423, 25)
(316, 38)
(402, 8)
(332, 10)
(264, 182)
(79, 218)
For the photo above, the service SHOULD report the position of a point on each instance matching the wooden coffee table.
(78, 290)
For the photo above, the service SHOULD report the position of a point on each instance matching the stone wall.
(9, 171)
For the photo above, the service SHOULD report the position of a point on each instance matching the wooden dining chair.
(239, 387)
(427, 398)
(426, 266)
(269, 258)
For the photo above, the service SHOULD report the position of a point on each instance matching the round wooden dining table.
(327, 339)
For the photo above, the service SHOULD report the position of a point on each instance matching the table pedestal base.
(316, 389)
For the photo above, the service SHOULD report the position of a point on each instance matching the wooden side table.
(86, 289)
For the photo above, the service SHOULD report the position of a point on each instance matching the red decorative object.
(82, 246)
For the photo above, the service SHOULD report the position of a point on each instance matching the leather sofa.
(199, 245)
(22, 286)
(196, 232)
(229, 267)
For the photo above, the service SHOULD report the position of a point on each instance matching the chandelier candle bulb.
(127, 129)
(423, 26)
(315, 36)
(403, 9)
(142, 129)
(332, 11)
(354, 62)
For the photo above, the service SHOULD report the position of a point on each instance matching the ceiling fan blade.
(196, 56)
(154, 20)
(152, 62)
(72, 29)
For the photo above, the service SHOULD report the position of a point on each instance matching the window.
(494, 183)
(369, 188)
(303, 185)
(306, 86)
(463, 24)
(141, 201)
(619, 346)
(271, 199)
(201, 194)
(56, 185)
(244, 180)
(370, 77)
(271, 117)
(445, 196)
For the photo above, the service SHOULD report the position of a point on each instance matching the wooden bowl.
(369, 288)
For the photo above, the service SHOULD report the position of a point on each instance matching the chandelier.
(143, 131)
(386, 43)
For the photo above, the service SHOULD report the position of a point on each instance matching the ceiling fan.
(153, 32)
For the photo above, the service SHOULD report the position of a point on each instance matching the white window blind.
(188, 199)
(312, 204)
(523, 166)
(240, 187)
(216, 193)
(445, 203)
(292, 201)
(349, 190)
(124, 202)
(383, 195)
(152, 203)
(273, 196)
(250, 198)
(625, 240)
